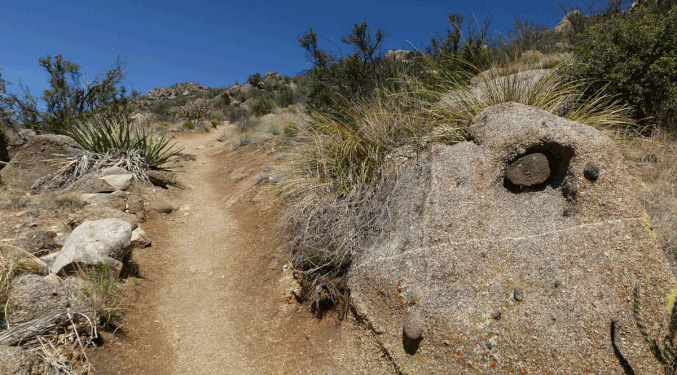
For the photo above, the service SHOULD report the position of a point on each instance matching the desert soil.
(211, 294)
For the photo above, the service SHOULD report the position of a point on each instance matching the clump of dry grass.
(652, 162)
(102, 293)
(72, 169)
(550, 91)
(13, 262)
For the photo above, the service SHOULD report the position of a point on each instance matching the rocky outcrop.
(502, 280)
(103, 241)
(37, 159)
(398, 55)
(566, 25)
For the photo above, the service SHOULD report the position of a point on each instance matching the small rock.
(111, 183)
(518, 294)
(95, 198)
(161, 178)
(413, 324)
(591, 171)
(529, 170)
(139, 238)
(190, 157)
(162, 207)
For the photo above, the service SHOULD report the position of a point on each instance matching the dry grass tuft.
(102, 293)
(13, 262)
(652, 163)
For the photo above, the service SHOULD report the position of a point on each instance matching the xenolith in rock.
(511, 280)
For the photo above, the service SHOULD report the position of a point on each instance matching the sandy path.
(211, 301)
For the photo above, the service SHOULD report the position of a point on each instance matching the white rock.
(114, 182)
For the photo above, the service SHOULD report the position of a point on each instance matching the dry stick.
(78, 337)
(26, 331)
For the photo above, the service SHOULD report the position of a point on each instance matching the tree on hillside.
(69, 99)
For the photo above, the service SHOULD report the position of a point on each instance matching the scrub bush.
(633, 56)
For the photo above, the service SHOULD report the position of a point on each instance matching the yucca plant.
(104, 133)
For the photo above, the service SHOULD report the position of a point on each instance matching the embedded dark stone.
(529, 170)
(591, 171)
(413, 324)
(518, 294)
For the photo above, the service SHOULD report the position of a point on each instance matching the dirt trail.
(210, 299)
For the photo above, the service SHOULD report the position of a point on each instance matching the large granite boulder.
(476, 275)
(102, 241)
(37, 158)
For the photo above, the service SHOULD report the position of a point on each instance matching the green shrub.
(262, 106)
(255, 79)
(634, 57)
(285, 97)
(225, 99)
(214, 123)
(341, 79)
(189, 125)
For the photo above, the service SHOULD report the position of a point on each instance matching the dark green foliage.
(285, 97)
(161, 109)
(4, 155)
(528, 35)
(189, 125)
(69, 99)
(634, 57)
(447, 51)
(255, 79)
(262, 106)
(340, 79)
(225, 99)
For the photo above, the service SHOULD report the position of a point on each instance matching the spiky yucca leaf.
(101, 134)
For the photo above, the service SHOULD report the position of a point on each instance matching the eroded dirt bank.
(211, 299)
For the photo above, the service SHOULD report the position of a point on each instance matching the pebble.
(591, 171)
(518, 294)
(413, 324)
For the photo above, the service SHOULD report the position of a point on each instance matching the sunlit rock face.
(505, 277)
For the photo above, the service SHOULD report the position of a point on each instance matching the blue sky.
(215, 43)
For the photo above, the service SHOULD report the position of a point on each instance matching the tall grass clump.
(103, 294)
(13, 262)
(104, 133)
(552, 91)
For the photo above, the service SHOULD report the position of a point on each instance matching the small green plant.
(103, 294)
(262, 106)
(225, 99)
(189, 125)
(290, 130)
(214, 123)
